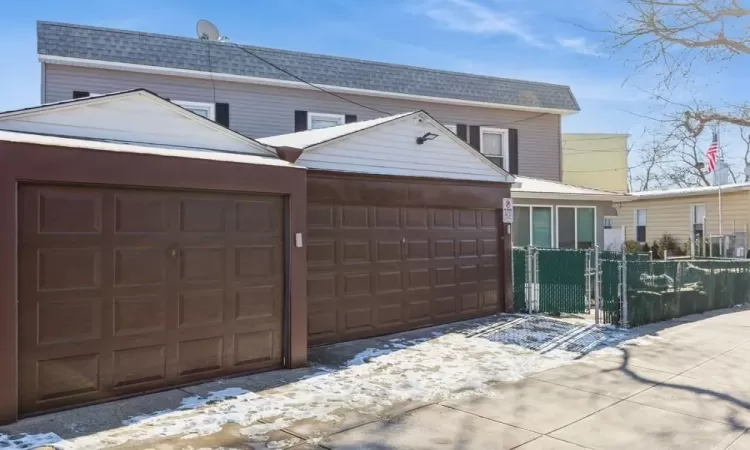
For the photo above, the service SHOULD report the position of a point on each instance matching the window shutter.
(513, 151)
(80, 94)
(222, 114)
(474, 137)
(349, 118)
(461, 131)
(300, 120)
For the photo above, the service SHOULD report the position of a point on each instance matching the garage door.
(123, 291)
(375, 270)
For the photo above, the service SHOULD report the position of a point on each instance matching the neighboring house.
(514, 123)
(598, 161)
(684, 213)
(551, 214)
(144, 246)
(517, 123)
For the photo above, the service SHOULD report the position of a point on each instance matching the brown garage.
(404, 227)
(387, 255)
(127, 281)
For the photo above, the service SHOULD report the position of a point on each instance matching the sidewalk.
(501, 382)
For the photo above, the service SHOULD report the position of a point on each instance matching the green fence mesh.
(519, 280)
(663, 290)
(562, 281)
(610, 255)
(610, 292)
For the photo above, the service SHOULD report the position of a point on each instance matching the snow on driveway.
(424, 366)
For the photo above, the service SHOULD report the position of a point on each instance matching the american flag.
(712, 153)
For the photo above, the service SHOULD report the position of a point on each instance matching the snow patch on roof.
(536, 185)
(690, 191)
(305, 139)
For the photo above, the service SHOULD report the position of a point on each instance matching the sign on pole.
(507, 210)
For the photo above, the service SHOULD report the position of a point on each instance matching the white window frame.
(551, 209)
(504, 133)
(635, 225)
(340, 117)
(209, 107)
(452, 127)
(692, 215)
(575, 223)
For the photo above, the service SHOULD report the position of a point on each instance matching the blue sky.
(526, 39)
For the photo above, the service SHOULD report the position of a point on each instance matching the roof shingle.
(104, 44)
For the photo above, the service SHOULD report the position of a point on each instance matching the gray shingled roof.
(78, 41)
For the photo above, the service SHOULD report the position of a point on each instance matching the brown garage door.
(124, 291)
(375, 270)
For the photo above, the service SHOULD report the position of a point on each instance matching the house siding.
(602, 209)
(598, 161)
(672, 215)
(260, 111)
(391, 149)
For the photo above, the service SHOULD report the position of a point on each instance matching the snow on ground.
(436, 365)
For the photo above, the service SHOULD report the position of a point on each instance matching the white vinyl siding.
(391, 149)
(133, 118)
(261, 111)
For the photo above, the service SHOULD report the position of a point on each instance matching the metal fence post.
(587, 272)
(529, 280)
(597, 285)
(624, 289)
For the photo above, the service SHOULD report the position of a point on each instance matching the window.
(207, 110)
(532, 225)
(640, 225)
(320, 120)
(494, 145)
(698, 219)
(453, 128)
(576, 227)
(608, 221)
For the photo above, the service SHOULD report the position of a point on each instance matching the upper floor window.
(494, 145)
(207, 110)
(321, 120)
(698, 218)
(453, 128)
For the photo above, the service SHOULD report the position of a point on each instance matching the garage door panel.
(424, 266)
(68, 210)
(154, 288)
(62, 321)
(140, 213)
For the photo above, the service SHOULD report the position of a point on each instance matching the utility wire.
(308, 83)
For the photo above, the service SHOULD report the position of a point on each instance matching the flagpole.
(720, 175)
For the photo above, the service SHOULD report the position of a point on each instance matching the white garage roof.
(132, 117)
(387, 146)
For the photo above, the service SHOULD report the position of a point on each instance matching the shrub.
(632, 246)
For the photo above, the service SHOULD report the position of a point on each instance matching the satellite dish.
(206, 30)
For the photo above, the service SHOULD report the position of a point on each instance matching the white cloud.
(579, 45)
(470, 17)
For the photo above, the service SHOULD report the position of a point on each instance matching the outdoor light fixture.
(427, 137)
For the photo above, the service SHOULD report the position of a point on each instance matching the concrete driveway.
(501, 382)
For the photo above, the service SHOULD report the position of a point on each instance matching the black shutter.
(513, 151)
(349, 118)
(461, 132)
(474, 137)
(300, 120)
(222, 114)
(80, 94)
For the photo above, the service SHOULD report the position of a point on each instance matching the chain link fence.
(625, 289)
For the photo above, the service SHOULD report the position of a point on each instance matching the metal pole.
(587, 276)
(597, 287)
(624, 289)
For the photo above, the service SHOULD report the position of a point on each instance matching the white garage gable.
(388, 146)
(134, 117)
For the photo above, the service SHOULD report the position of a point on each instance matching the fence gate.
(551, 281)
